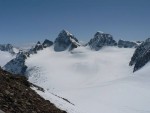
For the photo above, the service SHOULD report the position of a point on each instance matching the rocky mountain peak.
(101, 39)
(38, 43)
(64, 41)
(100, 34)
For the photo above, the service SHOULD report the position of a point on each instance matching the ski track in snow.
(95, 81)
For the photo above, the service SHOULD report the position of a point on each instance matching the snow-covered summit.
(64, 41)
(101, 39)
(100, 32)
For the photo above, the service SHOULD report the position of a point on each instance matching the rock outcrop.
(141, 55)
(47, 43)
(64, 41)
(17, 65)
(40, 46)
(37, 47)
(16, 96)
(100, 40)
(127, 44)
(7, 47)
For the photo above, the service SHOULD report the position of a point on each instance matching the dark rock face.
(47, 43)
(64, 41)
(127, 44)
(37, 47)
(141, 55)
(7, 47)
(17, 65)
(40, 46)
(100, 40)
(16, 96)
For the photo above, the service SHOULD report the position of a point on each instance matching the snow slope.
(93, 81)
(5, 57)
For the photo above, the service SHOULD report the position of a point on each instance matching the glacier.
(93, 81)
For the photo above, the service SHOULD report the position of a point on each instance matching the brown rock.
(16, 96)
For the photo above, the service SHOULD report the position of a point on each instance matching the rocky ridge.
(127, 44)
(17, 65)
(40, 46)
(67, 41)
(141, 55)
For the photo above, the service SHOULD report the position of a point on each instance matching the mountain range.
(67, 41)
(86, 78)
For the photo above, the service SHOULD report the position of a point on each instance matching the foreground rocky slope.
(141, 55)
(16, 96)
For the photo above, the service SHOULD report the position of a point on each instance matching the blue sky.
(27, 21)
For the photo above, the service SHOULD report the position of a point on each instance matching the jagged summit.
(64, 41)
(101, 39)
(40, 46)
(38, 43)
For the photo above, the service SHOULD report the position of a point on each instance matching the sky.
(28, 21)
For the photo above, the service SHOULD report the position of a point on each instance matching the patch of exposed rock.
(16, 96)
(141, 55)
